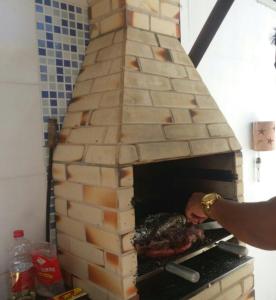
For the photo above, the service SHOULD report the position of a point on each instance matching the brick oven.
(142, 133)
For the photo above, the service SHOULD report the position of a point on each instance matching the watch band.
(208, 201)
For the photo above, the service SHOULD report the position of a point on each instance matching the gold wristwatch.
(208, 201)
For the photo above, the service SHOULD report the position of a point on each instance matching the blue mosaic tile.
(63, 6)
(39, 9)
(55, 21)
(40, 26)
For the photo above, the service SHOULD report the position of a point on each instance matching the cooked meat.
(165, 234)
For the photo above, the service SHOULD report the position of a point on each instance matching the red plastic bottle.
(48, 276)
(21, 268)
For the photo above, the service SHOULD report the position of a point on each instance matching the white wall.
(238, 70)
(22, 170)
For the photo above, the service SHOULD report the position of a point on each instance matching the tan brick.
(171, 99)
(248, 284)
(186, 132)
(136, 114)
(140, 36)
(120, 35)
(69, 191)
(138, 49)
(68, 153)
(136, 97)
(97, 70)
(137, 19)
(100, 196)
(82, 88)
(126, 176)
(112, 135)
(63, 241)
(189, 86)
(205, 101)
(100, 43)
(123, 287)
(126, 221)
(220, 130)
(165, 27)
(127, 242)
(72, 120)
(89, 59)
(238, 158)
(192, 73)
(170, 43)
(240, 189)
(92, 289)
(74, 265)
(124, 265)
(162, 68)
(111, 99)
(181, 58)
(89, 135)
(105, 155)
(131, 63)
(232, 293)
(107, 116)
(109, 177)
(181, 116)
(141, 133)
(127, 154)
(117, 65)
(61, 206)
(161, 54)
(204, 147)
(125, 197)
(63, 135)
(84, 174)
(207, 116)
(71, 227)
(112, 52)
(85, 213)
(151, 6)
(113, 22)
(234, 144)
(170, 11)
(95, 30)
(165, 150)
(117, 4)
(103, 239)
(101, 8)
(114, 83)
(110, 221)
(59, 172)
(145, 81)
(87, 252)
(208, 293)
(85, 103)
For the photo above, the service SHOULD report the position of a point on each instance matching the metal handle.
(183, 272)
(233, 248)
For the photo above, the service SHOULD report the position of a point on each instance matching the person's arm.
(252, 223)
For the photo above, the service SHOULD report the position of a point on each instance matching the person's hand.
(194, 212)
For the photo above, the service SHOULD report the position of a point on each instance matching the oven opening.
(165, 187)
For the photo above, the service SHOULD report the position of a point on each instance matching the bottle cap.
(18, 233)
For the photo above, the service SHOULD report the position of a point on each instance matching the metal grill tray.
(148, 267)
(212, 266)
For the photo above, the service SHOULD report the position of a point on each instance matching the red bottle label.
(47, 270)
(22, 281)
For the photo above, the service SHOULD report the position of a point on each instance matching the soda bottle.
(21, 269)
(48, 278)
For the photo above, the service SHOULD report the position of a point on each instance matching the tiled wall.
(63, 33)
